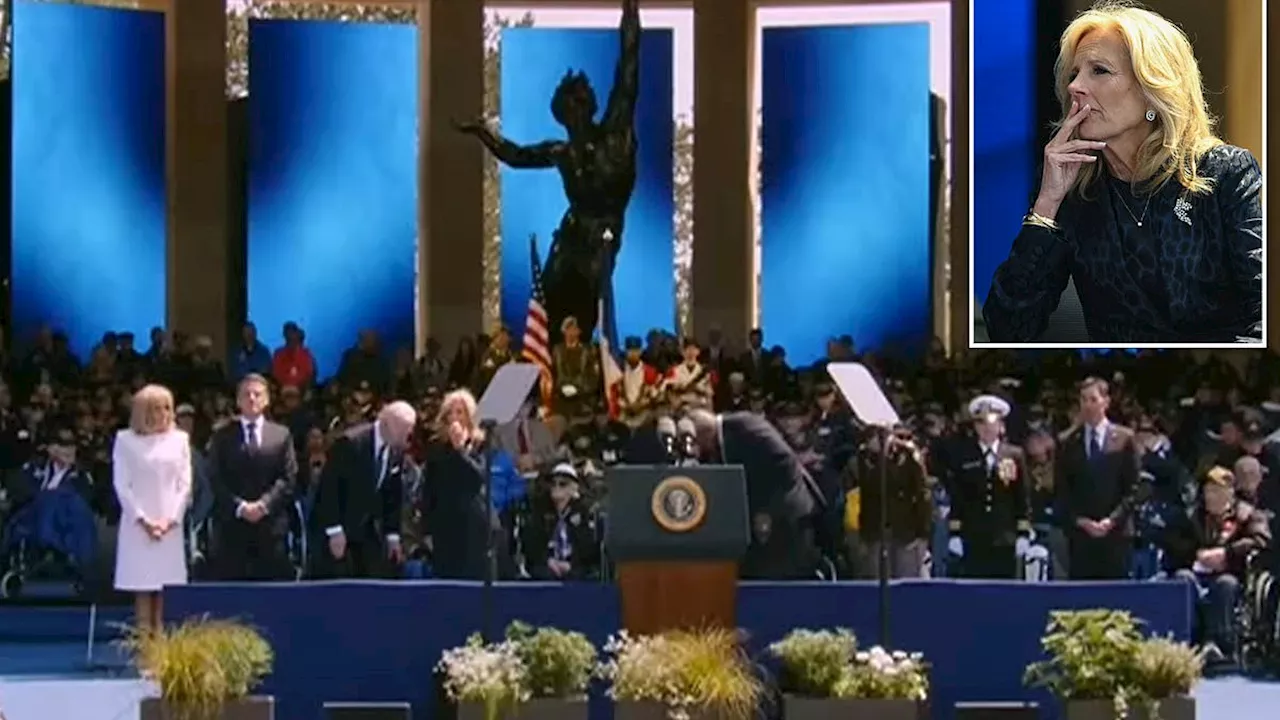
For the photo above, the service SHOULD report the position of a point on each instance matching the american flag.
(536, 345)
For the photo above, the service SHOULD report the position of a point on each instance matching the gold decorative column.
(196, 168)
(1273, 264)
(961, 296)
(723, 238)
(450, 170)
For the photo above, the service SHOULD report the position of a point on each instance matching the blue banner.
(845, 244)
(333, 182)
(1004, 132)
(88, 139)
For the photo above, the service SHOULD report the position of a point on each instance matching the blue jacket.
(244, 362)
(509, 486)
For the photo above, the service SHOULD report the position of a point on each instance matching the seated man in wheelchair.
(1210, 547)
(52, 512)
(559, 538)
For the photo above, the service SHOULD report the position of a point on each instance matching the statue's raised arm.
(620, 112)
(511, 154)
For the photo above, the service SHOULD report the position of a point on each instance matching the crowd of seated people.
(1191, 422)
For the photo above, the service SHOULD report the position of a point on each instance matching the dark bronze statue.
(597, 163)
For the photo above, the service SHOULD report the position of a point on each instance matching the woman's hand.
(457, 435)
(1063, 157)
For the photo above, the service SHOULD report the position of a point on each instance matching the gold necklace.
(1135, 217)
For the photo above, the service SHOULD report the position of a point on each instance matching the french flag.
(610, 368)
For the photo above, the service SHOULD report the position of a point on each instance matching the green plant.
(686, 671)
(813, 661)
(1165, 668)
(1091, 656)
(491, 675)
(879, 674)
(201, 664)
(558, 664)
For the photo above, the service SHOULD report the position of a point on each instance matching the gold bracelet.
(1038, 220)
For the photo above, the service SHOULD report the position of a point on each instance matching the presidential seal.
(679, 504)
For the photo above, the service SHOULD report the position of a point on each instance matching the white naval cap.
(988, 408)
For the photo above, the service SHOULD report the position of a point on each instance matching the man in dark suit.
(360, 501)
(778, 486)
(253, 470)
(986, 476)
(1096, 484)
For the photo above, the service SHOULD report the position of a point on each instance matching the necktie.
(524, 438)
(1091, 441)
(989, 456)
(251, 435)
(561, 547)
(382, 465)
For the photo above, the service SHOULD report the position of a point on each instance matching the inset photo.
(1118, 153)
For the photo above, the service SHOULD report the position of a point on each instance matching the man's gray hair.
(400, 411)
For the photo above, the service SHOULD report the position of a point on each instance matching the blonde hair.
(1164, 65)
(457, 397)
(152, 410)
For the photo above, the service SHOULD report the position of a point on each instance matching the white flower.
(479, 673)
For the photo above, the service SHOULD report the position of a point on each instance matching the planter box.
(997, 711)
(368, 711)
(654, 711)
(805, 708)
(1182, 708)
(532, 710)
(250, 708)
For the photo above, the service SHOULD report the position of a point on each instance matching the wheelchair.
(1258, 617)
(27, 561)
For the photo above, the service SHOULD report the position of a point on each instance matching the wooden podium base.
(676, 595)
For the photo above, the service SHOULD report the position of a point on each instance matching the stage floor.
(71, 698)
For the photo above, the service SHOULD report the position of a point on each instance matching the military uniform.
(577, 377)
(494, 358)
(909, 504)
(990, 499)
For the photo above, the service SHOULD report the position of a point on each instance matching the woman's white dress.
(152, 478)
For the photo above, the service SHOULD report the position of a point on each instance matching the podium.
(677, 535)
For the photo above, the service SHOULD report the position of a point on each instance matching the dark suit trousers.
(986, 559)
(249, 552)
(366, 558)
(1098, 558)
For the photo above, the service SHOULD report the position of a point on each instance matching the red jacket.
(294, 366)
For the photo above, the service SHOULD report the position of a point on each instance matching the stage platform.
(378, 641)
(76, 698)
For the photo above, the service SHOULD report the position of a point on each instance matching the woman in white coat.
(152, 476)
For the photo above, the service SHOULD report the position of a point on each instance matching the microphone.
(667, 436)
(687, 439)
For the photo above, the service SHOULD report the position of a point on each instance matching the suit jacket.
(1242, 531)
(352, 497)
(988, 506)
(777, 483)
(240, 474)
(1103, 486)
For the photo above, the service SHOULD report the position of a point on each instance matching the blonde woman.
(1155, 218)
(151, 465)
(459, 516)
